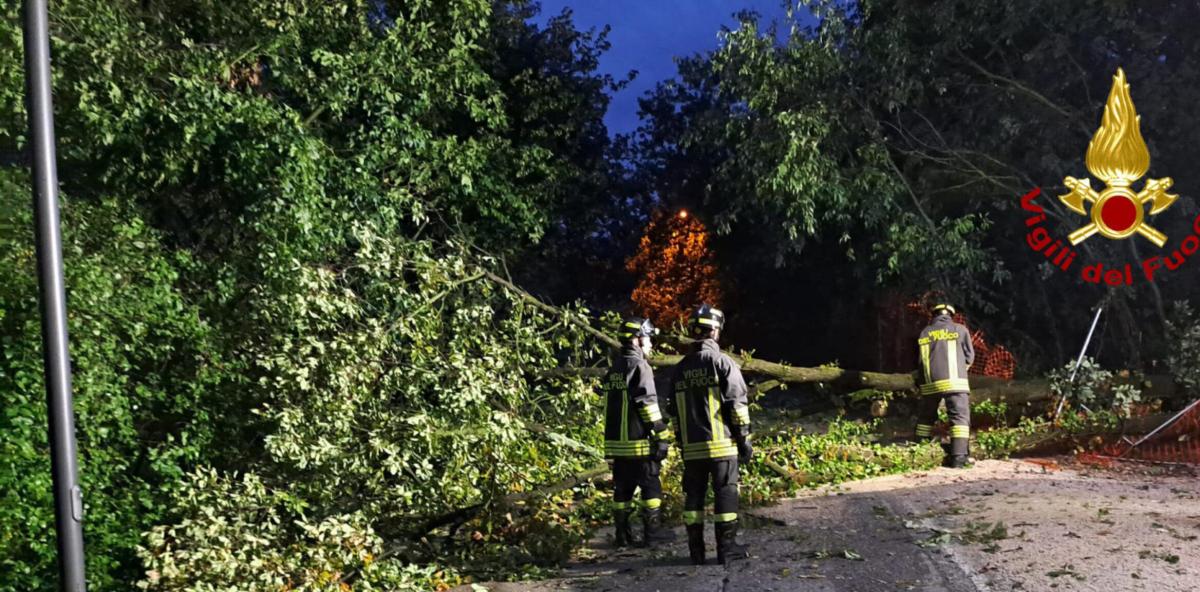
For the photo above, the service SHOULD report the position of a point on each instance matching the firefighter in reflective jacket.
(636, 439)
(708, 404)
(945, 353)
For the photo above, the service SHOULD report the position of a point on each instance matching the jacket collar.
(707, 344)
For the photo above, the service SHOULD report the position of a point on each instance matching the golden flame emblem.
(1118, 156)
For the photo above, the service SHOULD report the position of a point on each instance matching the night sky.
(647, 35)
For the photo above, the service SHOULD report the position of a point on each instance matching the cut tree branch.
(554, 310)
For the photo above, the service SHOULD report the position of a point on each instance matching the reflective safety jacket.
(631, 413)
(945, 354)
(708, 404)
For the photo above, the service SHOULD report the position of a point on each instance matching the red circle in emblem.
(1119, 212)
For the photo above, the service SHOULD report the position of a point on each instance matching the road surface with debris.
(1003, 525)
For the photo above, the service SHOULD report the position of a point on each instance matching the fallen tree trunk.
(1011, 392)
(798, 374)
(983, 388)
(781, 372)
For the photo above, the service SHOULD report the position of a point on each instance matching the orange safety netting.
(1177, 442)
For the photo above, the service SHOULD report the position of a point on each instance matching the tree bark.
(983, 388)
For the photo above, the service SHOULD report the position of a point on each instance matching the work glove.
(659, 449)
(745, 450)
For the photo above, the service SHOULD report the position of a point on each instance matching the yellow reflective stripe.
(650, 413)
(925, 356)
(693, 516)
(946, 386)
(705, 455)
(664, 435)
(924, 429)
(726, 517)
(741, 415)
(607, 403)
(952, 359)
(960, 431)
(681, 399)
(709, 322)
(634, 325)
(626, 447)
(718, 449)
(625, 403)
(722, 443)
(652, 503)
(622, 505)
(714, 414)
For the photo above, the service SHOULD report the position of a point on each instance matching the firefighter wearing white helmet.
(636, 438)
(709, 406)
(945, 353)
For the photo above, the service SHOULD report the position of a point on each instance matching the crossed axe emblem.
(1120, 205)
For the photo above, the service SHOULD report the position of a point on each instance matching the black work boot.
(728, 549)
(624, 532)
(695, 533)
(960, 452)
(652, 528)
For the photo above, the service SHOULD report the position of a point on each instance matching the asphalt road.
(1004, 525)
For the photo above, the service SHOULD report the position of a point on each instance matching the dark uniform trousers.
(631, 474)
(722, 474)
(958, 409)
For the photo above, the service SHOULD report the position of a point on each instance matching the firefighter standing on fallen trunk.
(709, 407)
(945, 353)
(636, 439)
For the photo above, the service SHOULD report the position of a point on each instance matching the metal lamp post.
(68, 499)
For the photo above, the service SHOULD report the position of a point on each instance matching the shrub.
(1094, 386)
(237, 534)
(1183, 331)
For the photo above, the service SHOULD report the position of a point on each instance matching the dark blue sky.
(648, 34)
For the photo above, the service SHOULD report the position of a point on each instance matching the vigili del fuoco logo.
(1118, 157)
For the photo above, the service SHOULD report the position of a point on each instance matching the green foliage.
(790, 149)
(910, 248)
(870, 394)
(1031, 432)
(996, 443)
(142, 358)
(1183, 358)
(275, 229)
(1094, 386)
(1001, 442)
(241, 535)
(1075, 423)
(996, 410)
(419, 371)
(846, 451)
